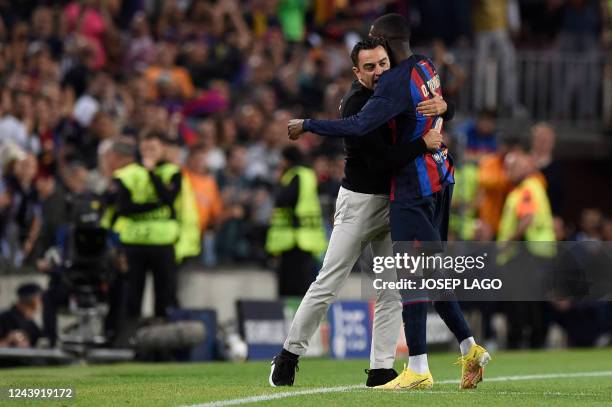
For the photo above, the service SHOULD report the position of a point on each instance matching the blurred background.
(82, 82)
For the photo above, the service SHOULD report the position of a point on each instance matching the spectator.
(263, 157)
(141, 50)
(296, 231)
(237, 194)
(17, 326)
(580, 33)
(543, 139)
(44, 30)
(452, 75)
(166, 79)
(250, 121)
(494, 186)
(492, 38)
(590, 225)
(526, 217)
(292, 16)
(88, 103)
(479, 137)
(207, 137)
(91, 20)
(17, 120)
(207, 196)
(24, 217)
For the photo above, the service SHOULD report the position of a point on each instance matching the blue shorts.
(423, 219)
(420, 226)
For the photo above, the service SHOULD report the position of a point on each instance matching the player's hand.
(433, 140)
(432, 107)
(295, 128)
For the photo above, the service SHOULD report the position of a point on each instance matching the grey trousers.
(359, 219)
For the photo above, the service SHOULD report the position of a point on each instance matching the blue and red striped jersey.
(394, 102)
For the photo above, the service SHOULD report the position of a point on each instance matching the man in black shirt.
(17, 327)
(362, 216)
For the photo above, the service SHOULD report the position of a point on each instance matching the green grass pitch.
(558, 378)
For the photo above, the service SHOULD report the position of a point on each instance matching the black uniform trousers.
(159, 259)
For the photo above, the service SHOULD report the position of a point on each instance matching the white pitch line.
(339, 389)
(275, 396)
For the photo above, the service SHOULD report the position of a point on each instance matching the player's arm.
(390, 99)
(397, 156)
(382, 157)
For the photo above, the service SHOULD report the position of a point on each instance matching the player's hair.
(366, 44)
(391, 27)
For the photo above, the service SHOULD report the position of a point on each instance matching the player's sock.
(415, 327)
(418, 363)
(466, 344)
(451, 314)
(286, 354)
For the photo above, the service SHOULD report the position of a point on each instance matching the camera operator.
(141, 197)
(64, 205)
(54, 202)
(17, 326)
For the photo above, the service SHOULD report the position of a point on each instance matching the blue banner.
(262, 326)
(351, 329)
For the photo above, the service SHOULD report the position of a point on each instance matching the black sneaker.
(282, 371)
(377, 377)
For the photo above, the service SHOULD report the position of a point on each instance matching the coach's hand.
(432, 107)
(433, 140)
(295, 128)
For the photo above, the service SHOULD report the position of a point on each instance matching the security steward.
(143, 196)
(526, 218)
(296, 230)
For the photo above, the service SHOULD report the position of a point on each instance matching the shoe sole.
(472, 382)
(270, 377)
(413, 386)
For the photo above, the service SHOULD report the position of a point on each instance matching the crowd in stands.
(221, 79)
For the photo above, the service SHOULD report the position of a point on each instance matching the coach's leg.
(344, 249)
(387, 313)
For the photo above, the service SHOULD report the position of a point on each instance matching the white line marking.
(275, 396)
(339, 389)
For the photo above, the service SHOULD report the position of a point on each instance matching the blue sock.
(415, 327)
(451, 314)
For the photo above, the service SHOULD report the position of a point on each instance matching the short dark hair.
(28, 291)
(293, 155)
(153, 135)
(391, 27)
(366, 44)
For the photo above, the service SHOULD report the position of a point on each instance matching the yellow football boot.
(409, 380)
(472, 366)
